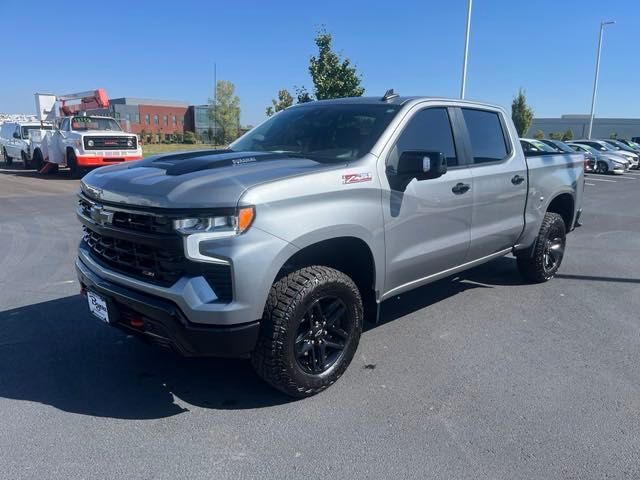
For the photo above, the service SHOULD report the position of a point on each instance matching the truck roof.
(396, 100)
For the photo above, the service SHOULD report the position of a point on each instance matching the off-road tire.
(274, 358)
(533, 267)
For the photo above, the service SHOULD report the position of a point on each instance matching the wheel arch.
(349, 254)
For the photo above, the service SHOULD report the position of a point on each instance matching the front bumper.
(163, 323)
(85, 161)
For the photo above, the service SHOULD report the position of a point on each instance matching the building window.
(175, 120)
(136, 118)
(166, 120)
(155, 119)
(128, 117)
(146, 119)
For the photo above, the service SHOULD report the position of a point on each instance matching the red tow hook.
(136, 321)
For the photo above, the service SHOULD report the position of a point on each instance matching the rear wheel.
(548, 251)
(7, 159)
(309, 332)
(25, 160)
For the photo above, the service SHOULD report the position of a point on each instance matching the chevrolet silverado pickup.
(281, 246)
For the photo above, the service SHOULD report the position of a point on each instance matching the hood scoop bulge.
(183, 163)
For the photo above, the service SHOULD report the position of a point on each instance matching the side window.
(486, 135)
(429, 130)
(64, 126)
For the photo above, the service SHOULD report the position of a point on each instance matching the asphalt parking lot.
(476, 376)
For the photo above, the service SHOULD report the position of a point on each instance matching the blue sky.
(151, 49)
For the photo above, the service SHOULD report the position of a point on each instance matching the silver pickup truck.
(279, 247)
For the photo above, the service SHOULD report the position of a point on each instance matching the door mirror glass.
(421, 165)
(16, 134)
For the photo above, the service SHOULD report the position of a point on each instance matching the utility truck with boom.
(80, 141)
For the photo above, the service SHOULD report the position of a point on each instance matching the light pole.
(466, 50)
(595, 81)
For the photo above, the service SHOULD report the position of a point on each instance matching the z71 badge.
(356, 178)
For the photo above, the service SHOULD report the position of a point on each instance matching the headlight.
(227, 225)
(90, 143)
(130, 143)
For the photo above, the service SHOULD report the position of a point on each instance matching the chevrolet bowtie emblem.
(101, 216)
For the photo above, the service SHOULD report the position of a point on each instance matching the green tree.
(555, 136)
(226, 112)
(521, 113)
(333, 76)
(539, 135)
(284, 100)
(189, 137)
(613, 136)
(568, 135)
(302, 95)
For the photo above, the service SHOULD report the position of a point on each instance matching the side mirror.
(16, 134)
(421, 165)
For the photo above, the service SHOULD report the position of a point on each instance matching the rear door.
(500, 184)
(427, 223)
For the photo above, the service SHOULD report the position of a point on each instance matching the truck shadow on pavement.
(57, 354)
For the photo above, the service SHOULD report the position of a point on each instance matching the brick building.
(157, 118)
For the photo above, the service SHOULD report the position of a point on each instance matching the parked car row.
(601, 156)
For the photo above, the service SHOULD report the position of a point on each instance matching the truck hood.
(104, 133)
(210, 179)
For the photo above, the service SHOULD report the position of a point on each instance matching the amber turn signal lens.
(245, 218)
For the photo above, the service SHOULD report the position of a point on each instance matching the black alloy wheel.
(322, 335)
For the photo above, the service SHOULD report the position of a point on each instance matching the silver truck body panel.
(414, 237)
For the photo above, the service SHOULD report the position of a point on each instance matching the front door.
(427, 224)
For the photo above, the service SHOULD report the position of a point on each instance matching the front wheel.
(548, 251)
(602, 168)
(7, 159)
(309, 332)
(72, 163)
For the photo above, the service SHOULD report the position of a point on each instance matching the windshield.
(27, 129)
(602, 147)
(558, 145)
(94, 123)
(586, 148)
(542, 146)
(323, 132)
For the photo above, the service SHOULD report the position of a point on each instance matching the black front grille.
(111, 143)
(159, 266)
(140, 222)
(155, 265)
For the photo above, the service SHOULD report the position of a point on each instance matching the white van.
(15, 140)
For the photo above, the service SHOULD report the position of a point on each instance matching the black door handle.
(517, 180)
(461, 188)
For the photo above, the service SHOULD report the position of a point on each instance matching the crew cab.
(83, 142)
(281, 246)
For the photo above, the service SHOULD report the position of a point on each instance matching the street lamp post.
(466, 50)
(595, 81)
